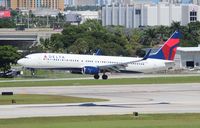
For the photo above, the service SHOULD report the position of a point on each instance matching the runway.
(123, 99)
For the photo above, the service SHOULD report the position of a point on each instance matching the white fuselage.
(74, 61)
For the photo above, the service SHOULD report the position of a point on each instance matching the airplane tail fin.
(168, 50)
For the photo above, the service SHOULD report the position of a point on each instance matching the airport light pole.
(6, 4)
(28, 20)
(28, 13)
(47, 19)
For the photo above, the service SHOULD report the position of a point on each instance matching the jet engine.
(91, 70)
(76, 71)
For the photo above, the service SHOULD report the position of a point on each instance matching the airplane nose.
(20, 61)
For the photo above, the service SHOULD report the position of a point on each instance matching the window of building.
(193, 16)
(193, 19)
(193, 13)
(137, 11)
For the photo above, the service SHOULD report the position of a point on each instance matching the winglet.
(98, 52)
(147, 55)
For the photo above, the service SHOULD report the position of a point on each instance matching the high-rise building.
(150, 14)
(84, 2)
(129, 2)
(171, 1)
(69, 2)
(2, 3)
(196, 2)
(34, 4)
(101, 2)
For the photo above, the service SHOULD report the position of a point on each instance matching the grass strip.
(111, 121)
(121, 81)
(43, 99)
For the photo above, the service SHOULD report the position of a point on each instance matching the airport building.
(34, 4)
(187, 57)
(103, 2)
(196, 2)
(81, 2)
(138, 15)
(81, 16)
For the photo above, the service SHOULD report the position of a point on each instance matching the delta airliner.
(96, 64)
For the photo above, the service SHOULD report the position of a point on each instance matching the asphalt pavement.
(123, 99)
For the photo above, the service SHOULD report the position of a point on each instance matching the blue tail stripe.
(176, 35)
(158, 55)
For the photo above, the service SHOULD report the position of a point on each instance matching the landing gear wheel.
(104, 77)
(96, 76)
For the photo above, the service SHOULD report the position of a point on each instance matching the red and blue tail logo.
(168, 50)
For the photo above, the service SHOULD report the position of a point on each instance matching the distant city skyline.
(155, 1)
(184, 1)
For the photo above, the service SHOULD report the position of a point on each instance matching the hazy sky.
(185, 1)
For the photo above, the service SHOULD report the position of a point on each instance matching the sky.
(184, 1)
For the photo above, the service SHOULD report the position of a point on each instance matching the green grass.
(43, 99)
(156, 80)
(120, 121)
(46, 74)
(51, 74)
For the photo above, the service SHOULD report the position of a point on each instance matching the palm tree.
(175, 26)
(163, 33)
(150, 37)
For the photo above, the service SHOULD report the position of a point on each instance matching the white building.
(190, 13)
(84, 15)
(103, 2)
(81, 2)
(129, 2)
(187, 57)
(150, 14)
(171, 1)
(88, 15)
(196, 2)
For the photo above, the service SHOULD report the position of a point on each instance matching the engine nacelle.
(76, 71)
(91, 70)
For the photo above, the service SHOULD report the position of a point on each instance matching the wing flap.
(121, 66)
(117, 67)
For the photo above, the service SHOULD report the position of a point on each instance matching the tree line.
(90, 36)
(18, 18)
(116, 40)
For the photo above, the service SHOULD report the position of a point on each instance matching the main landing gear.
(96, 76)
(104, 76)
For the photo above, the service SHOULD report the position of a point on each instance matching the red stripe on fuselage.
(166, 48)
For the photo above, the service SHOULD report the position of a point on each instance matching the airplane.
(96, 64)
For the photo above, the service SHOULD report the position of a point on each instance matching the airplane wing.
(117, 67)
